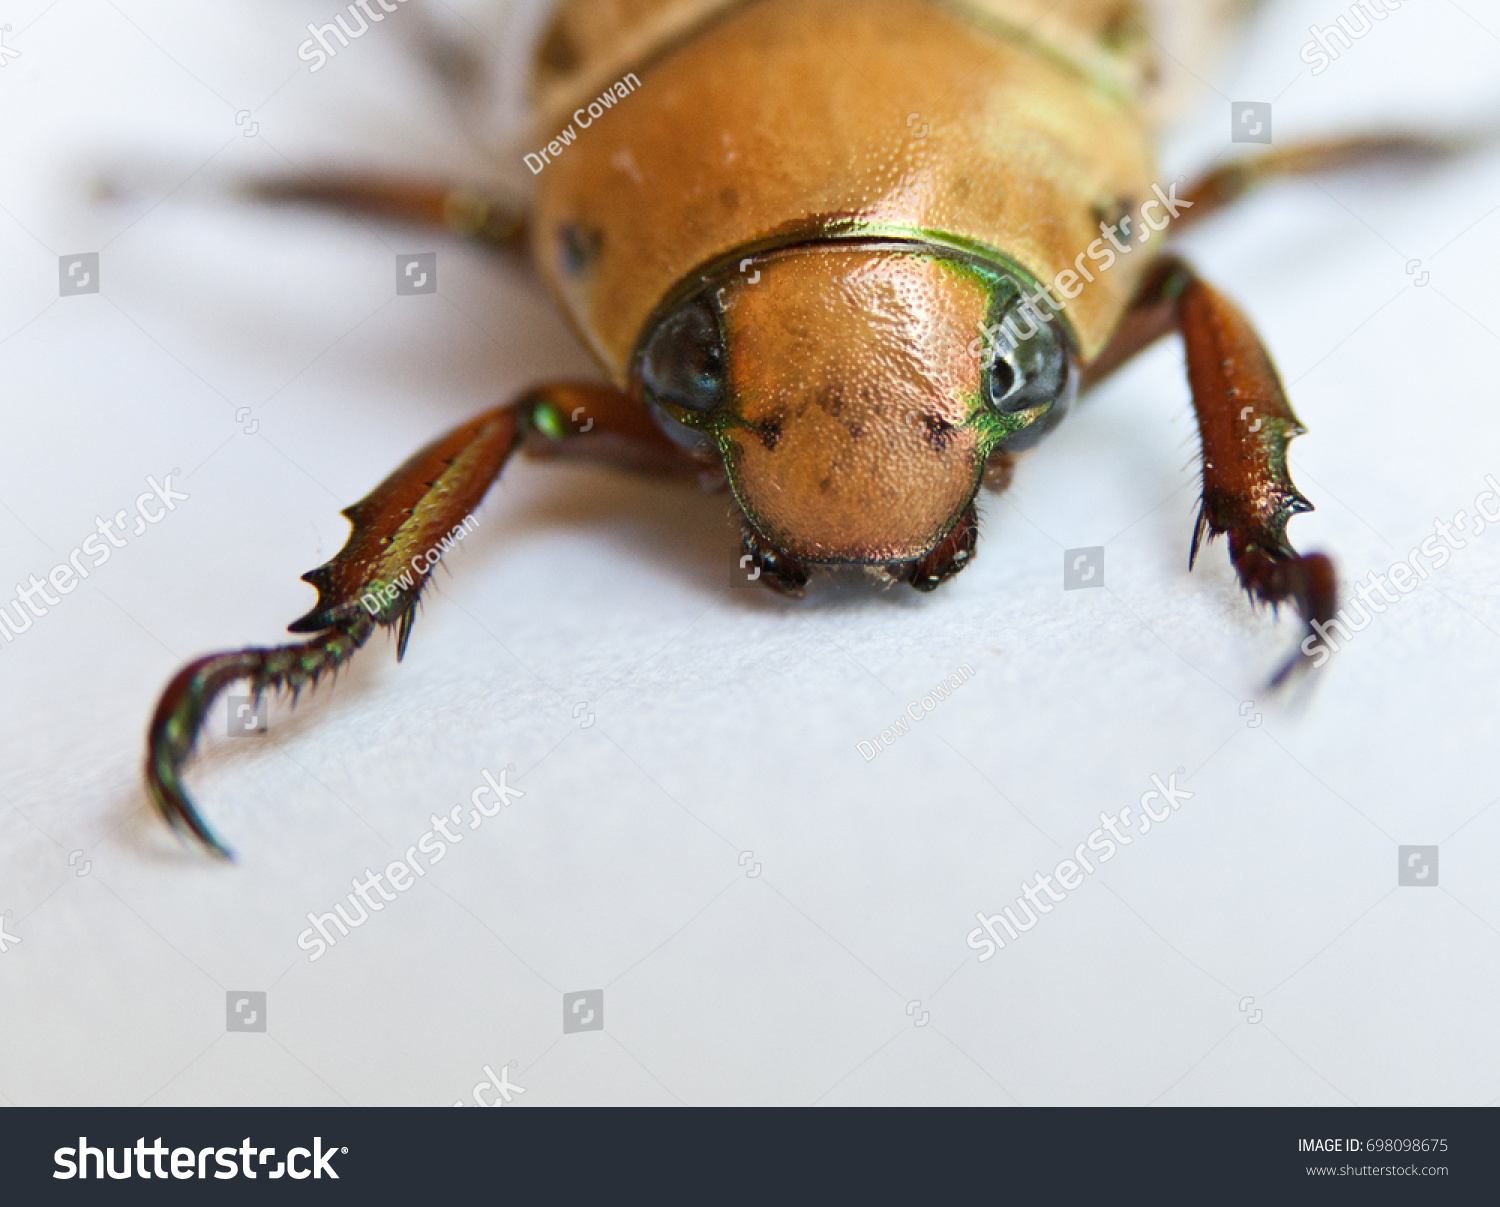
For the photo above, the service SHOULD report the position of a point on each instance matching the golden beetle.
(857, 252)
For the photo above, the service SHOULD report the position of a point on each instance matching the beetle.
(858, 254)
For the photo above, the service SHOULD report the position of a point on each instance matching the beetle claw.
(185, 703)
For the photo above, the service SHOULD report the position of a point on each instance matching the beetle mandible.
(857, 253)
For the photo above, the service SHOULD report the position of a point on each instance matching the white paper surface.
(771, 917)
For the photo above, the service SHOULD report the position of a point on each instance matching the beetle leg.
(1152, 314)
(1246, 423)
(400, 531)
(775, 569)
(999, 471)
(947, 558)
(1229, 182)
(457, 58)
(472, 213)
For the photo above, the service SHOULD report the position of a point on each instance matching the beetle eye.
(1029, 366)
(684, 362)
(1002, 382)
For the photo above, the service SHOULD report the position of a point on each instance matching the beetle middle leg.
(467, 211)
(1226, 184)
(400, 531)
(1246, 423)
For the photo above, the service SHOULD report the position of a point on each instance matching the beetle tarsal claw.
(185, 704)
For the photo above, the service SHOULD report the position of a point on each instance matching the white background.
(724, 721)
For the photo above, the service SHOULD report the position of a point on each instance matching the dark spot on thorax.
(578, 247)
(558, 51)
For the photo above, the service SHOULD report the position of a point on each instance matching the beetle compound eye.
(1029, 367)
(684, 362)
(1002, 381)
(1028, 360)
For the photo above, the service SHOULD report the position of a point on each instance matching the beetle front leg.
(949, 556)
(400, 531)
(770, 566)
(1246, 423)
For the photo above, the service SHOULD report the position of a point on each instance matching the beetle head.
(844, 388)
